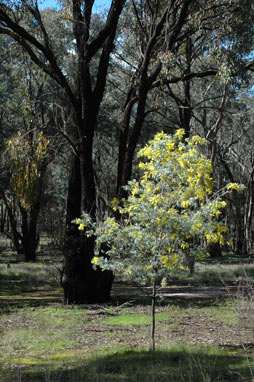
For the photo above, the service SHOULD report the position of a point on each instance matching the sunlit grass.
(134, 319)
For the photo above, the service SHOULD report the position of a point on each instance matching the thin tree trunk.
(3, 218)
(153, 317)
(248, 212)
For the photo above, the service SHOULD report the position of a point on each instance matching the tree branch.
(26, 40)
(111, 23)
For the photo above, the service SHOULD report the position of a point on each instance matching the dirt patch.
(183, 292)
(200, 321)
(188, 326)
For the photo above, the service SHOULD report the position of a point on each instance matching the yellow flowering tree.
(170, 215)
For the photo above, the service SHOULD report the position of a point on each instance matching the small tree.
(27, 158)
(168, 218)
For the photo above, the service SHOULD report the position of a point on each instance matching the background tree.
(28, 162)
(27, 122)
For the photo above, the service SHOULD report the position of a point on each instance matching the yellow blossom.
(95, 260)
(185, 203)
(185, 245)
(235, 186)
(180, 133)
(81, 226)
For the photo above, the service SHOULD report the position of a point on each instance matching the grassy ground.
(198, 337)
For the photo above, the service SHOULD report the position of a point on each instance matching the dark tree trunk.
(30, 237)
(239, 237)
(82, 283)
(3, 218)
(214, 250)
(15, 235)
(27, 241)
(74, 192)
(152, 346)
(29, 221)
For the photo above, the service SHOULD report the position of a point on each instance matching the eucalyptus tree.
(84, 94)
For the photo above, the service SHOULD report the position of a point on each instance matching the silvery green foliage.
(170, 215)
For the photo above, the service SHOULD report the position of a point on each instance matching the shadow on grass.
(7, 305)
(176, 364)
(12, 284)
(27, 284)
(26, 290)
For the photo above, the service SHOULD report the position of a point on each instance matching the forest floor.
(204, 327)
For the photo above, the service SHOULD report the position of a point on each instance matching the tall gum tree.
(82, 283)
